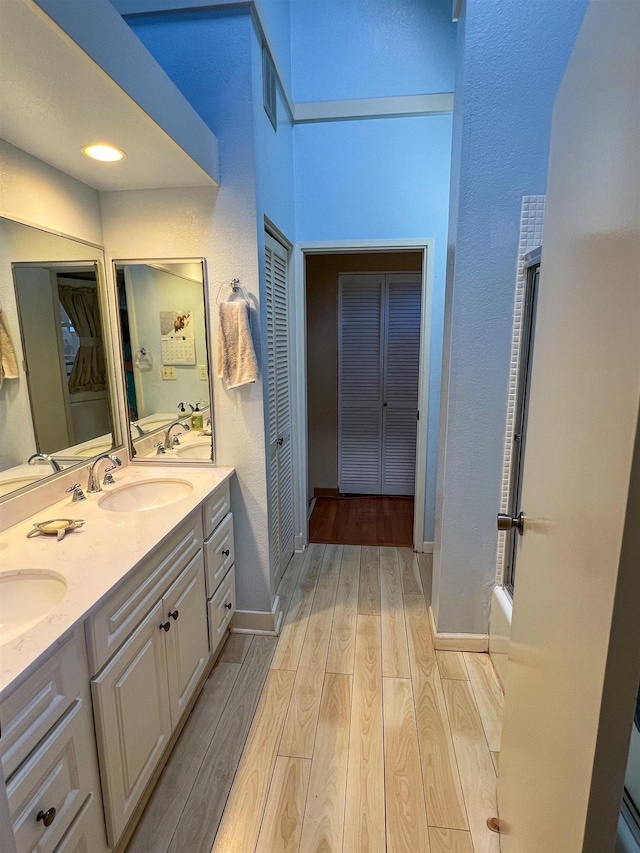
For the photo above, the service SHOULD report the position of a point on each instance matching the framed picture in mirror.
(163, 311)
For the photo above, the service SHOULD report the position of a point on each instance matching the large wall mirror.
(57, 406)
(163, 325)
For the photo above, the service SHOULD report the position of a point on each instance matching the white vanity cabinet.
(49, 757)
(142, 692)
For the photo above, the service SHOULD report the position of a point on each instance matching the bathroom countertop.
(93, 559)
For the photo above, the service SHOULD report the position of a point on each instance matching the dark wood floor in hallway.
(364, 520)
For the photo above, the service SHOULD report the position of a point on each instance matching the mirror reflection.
(54, 390)
(165, 358)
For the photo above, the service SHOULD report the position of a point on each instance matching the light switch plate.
(202, 371)
(169, 372)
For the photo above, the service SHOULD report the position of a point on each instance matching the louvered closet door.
(280, 451)
(379, 357)
(401, 375)
(360, 384)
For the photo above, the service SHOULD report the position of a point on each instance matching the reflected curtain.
(81, 304)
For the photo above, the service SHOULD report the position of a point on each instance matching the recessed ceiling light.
(105, 153)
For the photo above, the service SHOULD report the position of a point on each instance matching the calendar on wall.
(178, 344)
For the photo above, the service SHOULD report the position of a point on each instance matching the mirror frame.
(162, 262)
(114, 392)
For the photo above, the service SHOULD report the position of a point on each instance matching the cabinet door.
(86, 833)
(185, 610)
(131, 706)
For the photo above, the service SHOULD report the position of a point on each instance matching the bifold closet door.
(401, 358)
(279, 408)
(379, 358)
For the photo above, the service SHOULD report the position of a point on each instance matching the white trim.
(265, 622)
(457, 642)
(299, 369)
(427, 547)
(364, 108)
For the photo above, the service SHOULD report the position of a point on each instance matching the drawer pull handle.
(227, 552)
(47, 817)
(174, 615)
(164, 626)
(228, 606)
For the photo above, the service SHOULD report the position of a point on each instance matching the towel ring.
(236, 287)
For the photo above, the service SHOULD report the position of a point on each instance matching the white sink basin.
(7, 486)
(94, 450)
(145, 495)
(196, 450)
(26, 597)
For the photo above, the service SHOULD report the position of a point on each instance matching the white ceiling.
(54, 100)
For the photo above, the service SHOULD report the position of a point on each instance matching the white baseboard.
(427, 547)
(264, 622)
(457, 642)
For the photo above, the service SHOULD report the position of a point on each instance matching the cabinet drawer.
(219, 611)
(36, 706)
(219, 554)
(111, 624)
(215, 508)
(57, 775)
(86, 833)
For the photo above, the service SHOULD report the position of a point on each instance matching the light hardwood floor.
(349, 733)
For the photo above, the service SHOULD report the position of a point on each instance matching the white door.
(279, 407)
(133, 725)
(378, 366)
(185, 610)
(561, 766)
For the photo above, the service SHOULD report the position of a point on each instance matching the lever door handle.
(506, 522)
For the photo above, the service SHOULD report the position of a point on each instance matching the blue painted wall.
(381, 179)
(342, 49)
(511, 59)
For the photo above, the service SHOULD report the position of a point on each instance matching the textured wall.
(208, 56)
(354, 49)
(510, 63)
(382, 179)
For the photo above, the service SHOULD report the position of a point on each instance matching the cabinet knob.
(228, 606)
(174, 615)
(47, 817)
(164, 626)
(227, 552)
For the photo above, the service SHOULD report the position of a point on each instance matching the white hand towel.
(237, 363)
(8, 363)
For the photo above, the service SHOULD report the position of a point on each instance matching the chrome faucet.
(137, 426)
(45, 458)
(93, 486)
(168, 441)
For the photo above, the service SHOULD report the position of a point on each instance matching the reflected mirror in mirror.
(57, 409)
(163, 326)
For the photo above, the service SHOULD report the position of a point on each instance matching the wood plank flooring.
(363, 739)
(371, 520)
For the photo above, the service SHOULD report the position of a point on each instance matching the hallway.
(364, 737)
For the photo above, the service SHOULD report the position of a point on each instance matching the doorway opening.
(366, 356)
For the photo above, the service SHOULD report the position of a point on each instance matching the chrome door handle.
(506, 522)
